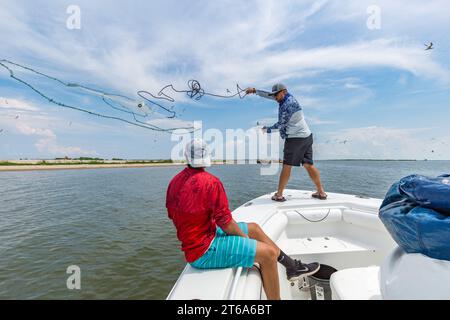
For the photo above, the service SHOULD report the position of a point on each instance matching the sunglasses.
(275, 93)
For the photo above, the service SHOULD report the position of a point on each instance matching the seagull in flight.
(429, 46)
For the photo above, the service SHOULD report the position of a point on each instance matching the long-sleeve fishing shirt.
(291, 121)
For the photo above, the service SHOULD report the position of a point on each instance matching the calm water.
(112, 223)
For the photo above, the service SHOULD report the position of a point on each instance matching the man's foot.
(278, 198)
(302, 270)
(320, 195)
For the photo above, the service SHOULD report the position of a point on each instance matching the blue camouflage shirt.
(291, 121)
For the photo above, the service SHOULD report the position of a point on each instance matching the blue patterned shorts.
(228, 251)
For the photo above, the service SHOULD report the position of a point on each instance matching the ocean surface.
(112, 223)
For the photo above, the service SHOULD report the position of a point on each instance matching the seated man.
(197, 203)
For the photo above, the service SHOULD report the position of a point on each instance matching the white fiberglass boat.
(344, 234)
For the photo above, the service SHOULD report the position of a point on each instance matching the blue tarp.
(416, 212)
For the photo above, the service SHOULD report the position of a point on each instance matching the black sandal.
(278, 198)
(319, 196)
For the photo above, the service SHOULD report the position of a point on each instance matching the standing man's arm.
(260, 93)
(265, 94)
(281, 125)
(277, 125)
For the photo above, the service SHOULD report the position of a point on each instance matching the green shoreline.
(44, 163)
(156, 162)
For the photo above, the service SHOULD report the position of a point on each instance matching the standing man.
(298, 139)
(210, 238)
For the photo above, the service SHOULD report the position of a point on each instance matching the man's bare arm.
(233, 229)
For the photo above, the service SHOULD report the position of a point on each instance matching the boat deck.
(343, 232)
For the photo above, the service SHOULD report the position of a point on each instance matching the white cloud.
(166, 123)
(27, 130)
(153, 43)
(387, 53)
(239, 44)
(35, 124)
(317, 121)
(382, 143)
(15, 104)
(47, 142)
(50, 145)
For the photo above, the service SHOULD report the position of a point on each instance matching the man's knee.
(272, 253)
(267, 253)
(254, 228)
(308, 166)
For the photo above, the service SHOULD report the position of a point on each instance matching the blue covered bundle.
(416, 212)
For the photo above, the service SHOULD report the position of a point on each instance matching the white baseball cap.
(197, 154)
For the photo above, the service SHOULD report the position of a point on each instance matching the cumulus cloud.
(17, 105)
(50, 145)
(154, 43)
(383, 143)
(47, 142)
(23, 118)
(231, 49)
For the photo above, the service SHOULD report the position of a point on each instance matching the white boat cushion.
(414, 276)
(356, 284)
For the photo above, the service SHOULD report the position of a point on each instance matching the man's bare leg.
(266, 256)
(314, 174)
(255, 232)
(292, 266)
(284, 178)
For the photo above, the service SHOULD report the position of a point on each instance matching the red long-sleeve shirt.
(196, 202)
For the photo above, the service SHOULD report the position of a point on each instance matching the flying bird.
(1, 130)
(429, 46)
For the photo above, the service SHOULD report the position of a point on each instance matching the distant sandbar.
(84, 166)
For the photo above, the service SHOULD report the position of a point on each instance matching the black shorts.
(298, 151)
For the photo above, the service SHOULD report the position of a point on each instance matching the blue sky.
(379, 90)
